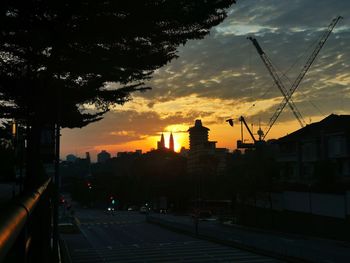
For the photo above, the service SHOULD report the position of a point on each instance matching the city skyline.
(221, 76)
(94, 157)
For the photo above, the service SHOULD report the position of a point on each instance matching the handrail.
(15, 217)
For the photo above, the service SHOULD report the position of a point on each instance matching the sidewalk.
(291, 248)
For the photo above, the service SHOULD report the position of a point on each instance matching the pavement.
(288, 247)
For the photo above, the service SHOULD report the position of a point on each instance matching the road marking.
(197, 251)
(77, 220)
(164, 244)
(111, 222)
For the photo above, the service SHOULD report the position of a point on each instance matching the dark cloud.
(227, 66)
(287, 14)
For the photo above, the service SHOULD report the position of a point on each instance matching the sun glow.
(180, 136)
(179, 140)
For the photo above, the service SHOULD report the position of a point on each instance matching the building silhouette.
(198, 135)
(184, 152)
(88, 159)
(103, 156)
(203, 156)
(126, 154)
(161, 143)
(171, 142)
(71, 158)
(319, 149)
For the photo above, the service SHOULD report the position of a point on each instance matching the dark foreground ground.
(127, 237)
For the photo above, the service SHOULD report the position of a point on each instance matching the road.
(291, 246)
(127, 237)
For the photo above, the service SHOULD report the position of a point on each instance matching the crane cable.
(251, 84)
(312, 46)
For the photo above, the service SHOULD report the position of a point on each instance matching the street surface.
(127, 237)
(309, 249)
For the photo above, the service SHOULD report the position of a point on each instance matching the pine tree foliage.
(57, 56)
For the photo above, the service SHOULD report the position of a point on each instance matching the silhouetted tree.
(56, 57)
(7, 154)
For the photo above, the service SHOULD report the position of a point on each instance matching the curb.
(77, 221)
(65, 256)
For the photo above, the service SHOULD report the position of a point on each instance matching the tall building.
(161, 143)
(171, 142)
(103, 156)
(203, 156)
(129, 154)
(88, 159)
(71, 158)
(198, 134)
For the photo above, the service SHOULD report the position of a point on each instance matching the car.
(143, 210)
(132, 208)
(163, 211)
(202, 214)
(110, 210)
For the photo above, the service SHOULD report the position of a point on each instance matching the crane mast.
(287, 94)
(241, 143)
(277, 80)
(306, 67)
(247, 127)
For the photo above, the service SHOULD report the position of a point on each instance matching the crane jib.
(287, 94)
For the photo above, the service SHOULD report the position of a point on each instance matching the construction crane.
(277, 80)
(301, 75)
(241, 143)
(287, 94)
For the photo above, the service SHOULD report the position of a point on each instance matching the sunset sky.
(222, 77)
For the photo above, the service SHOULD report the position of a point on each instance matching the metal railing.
(26, 227)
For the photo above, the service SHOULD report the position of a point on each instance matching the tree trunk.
(34, 168)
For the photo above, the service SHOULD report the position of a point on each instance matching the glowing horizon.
(222, 76)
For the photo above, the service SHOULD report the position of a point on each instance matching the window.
(309, 151)
(345, 168)
(337, 146)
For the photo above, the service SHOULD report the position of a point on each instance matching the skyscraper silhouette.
(171, 142)
(203, 156)
(161, 143)
(198, 135)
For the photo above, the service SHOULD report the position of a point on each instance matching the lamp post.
(55, 234)
(14, 143)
